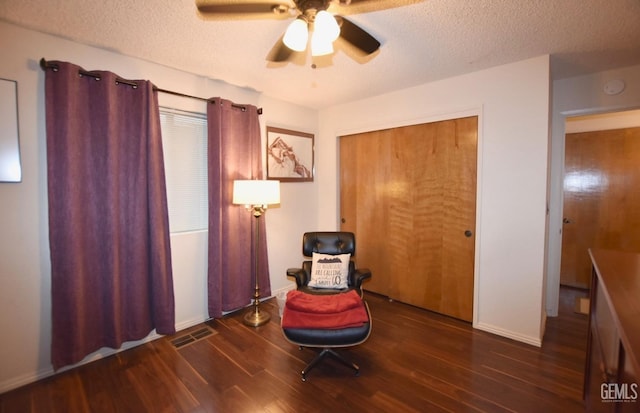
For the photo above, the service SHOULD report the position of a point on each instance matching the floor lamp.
(255, 195)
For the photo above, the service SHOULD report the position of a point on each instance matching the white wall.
(512, 102)
(25, 304)
(578, 96)
(298, 200)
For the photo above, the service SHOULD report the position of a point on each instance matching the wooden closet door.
(409, 195)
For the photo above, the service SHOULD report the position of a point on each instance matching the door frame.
(555, 204)
(463, 113)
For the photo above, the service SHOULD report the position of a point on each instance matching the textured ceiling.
(421, 42)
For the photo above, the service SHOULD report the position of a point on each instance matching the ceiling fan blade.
(356, 36)
(245, 9)
(280, 52)
(347, 7)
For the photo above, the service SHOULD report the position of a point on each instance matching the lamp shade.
(256, 192)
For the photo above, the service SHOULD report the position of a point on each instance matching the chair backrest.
(328, 243)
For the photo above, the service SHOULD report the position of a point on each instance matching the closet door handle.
(468, 233)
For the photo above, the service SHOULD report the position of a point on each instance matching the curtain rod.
(47, 65)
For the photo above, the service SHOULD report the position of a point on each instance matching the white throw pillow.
(330, 271)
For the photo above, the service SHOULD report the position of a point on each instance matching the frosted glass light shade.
(320, 45)
(325, 25)
(256, 192)
(297, 35)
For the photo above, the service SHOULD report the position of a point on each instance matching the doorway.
(601, 207)
(409, 195)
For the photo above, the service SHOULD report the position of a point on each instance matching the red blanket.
(332, 311)
(325, 304)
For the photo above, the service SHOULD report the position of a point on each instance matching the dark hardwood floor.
(414, 361)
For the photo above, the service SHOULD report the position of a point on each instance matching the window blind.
(184, 139)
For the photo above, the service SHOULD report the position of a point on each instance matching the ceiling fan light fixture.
(297, 35)
(320, 45)
(309, 17)
(326, 25)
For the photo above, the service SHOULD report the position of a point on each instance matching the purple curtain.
(111, 278)
(234, 152)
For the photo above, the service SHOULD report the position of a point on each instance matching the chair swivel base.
(328, 352)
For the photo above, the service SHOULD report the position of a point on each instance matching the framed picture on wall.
(289, 155)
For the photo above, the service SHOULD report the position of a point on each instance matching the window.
(184, 139)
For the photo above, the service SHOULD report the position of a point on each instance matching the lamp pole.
(256, 195)
(255, 317)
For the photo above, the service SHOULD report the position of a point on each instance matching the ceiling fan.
(316, 22)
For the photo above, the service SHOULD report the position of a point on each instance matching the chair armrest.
(300, 275)
(359, 275)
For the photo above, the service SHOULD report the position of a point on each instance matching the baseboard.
(24, 379)
(48, 372)
(190, 323)
(28, 378)
(534, 341)
(283, 290)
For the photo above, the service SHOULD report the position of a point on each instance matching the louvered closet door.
(409, 195)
